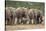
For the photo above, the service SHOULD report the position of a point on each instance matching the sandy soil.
(22, 27)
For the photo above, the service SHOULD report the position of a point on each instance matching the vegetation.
(36, 5)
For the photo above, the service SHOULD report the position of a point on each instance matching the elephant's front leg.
(30, 22)
(37, 21)
(8, 21)
(25, 22)
(13, 21)
(21, 20)
(18, 21)
(41, 20)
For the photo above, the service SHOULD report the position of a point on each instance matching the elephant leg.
(30, 21)
(33, 22)
(41, 20)
(25, 21)
(21, 20)
(8, 22)
(18, 21)
(37, 21)
(13, 21)
(5, 21)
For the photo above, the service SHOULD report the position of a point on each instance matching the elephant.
(21, 13)
(31, 16)
(24, 15)
(43, 20)
(10, 15)
(37, 16)
(18, 14)
(7, 15)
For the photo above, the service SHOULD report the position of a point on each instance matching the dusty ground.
(22, 27)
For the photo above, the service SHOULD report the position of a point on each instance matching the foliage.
(36, 5)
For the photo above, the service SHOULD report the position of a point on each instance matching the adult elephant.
(31, 16)
(10, 15)
(24, 15)
(37, 16)
(21, 13)
(7, 15)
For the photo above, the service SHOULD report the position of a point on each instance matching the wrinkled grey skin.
(10, 15)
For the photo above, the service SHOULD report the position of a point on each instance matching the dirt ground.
(22, 27)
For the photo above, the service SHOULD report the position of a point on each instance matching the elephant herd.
(22, 15)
